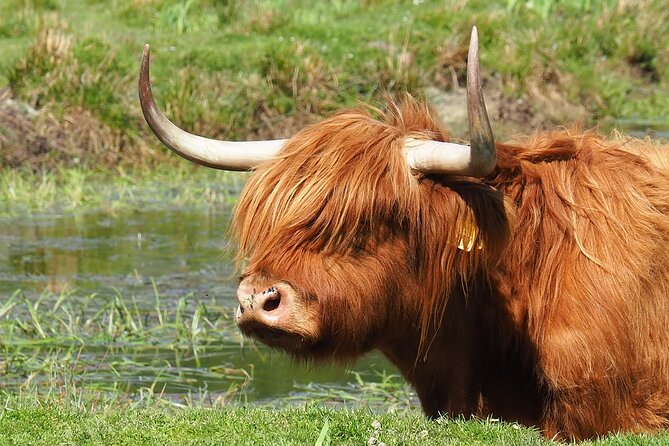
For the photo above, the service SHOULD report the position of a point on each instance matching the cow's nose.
(264, 301)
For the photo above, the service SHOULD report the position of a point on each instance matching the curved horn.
(478, 159)
(226, 155)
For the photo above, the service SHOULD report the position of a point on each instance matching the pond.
(130, 300)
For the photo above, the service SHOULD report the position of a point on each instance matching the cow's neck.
(446, 377)
(468, 371)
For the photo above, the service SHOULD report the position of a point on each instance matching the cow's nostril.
(272, 303)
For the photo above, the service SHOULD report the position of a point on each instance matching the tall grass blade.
(324, 437)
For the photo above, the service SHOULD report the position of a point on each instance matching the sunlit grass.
(310, 425)
(24, 423)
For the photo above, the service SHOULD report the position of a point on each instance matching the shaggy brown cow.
(534, 287)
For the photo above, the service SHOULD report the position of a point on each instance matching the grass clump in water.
(105, 348)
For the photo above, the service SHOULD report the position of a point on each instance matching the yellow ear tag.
(468, 238)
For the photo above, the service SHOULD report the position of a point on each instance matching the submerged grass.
(70, 318)
(107, 350)
(105, 345)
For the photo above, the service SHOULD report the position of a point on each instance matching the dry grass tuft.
(53, 44)
(34, 139)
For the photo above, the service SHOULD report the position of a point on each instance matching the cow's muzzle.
(265, 314)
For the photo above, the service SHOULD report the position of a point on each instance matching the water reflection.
(181, 249)
(97, 267)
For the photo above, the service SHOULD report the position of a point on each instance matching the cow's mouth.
(267, 334)
(273, 337)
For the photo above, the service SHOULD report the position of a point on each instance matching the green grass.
(25, 423)
(248, 426)
(68, 318)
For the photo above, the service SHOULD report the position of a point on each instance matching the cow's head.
(356, 229)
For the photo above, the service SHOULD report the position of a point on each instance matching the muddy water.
(180, 251)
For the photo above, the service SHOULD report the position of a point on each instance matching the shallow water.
(181, 249)
(183, 252)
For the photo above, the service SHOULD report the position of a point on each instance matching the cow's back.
(587, 278)
(657, 155)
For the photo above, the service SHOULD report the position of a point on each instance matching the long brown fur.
(539, 293)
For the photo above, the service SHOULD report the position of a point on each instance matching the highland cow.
(528, 281)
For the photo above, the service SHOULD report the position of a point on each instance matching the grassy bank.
(22, 424)
(264, 68)
(249, 426)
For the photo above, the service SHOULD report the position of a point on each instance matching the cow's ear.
(469, 237)
(487, 222)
